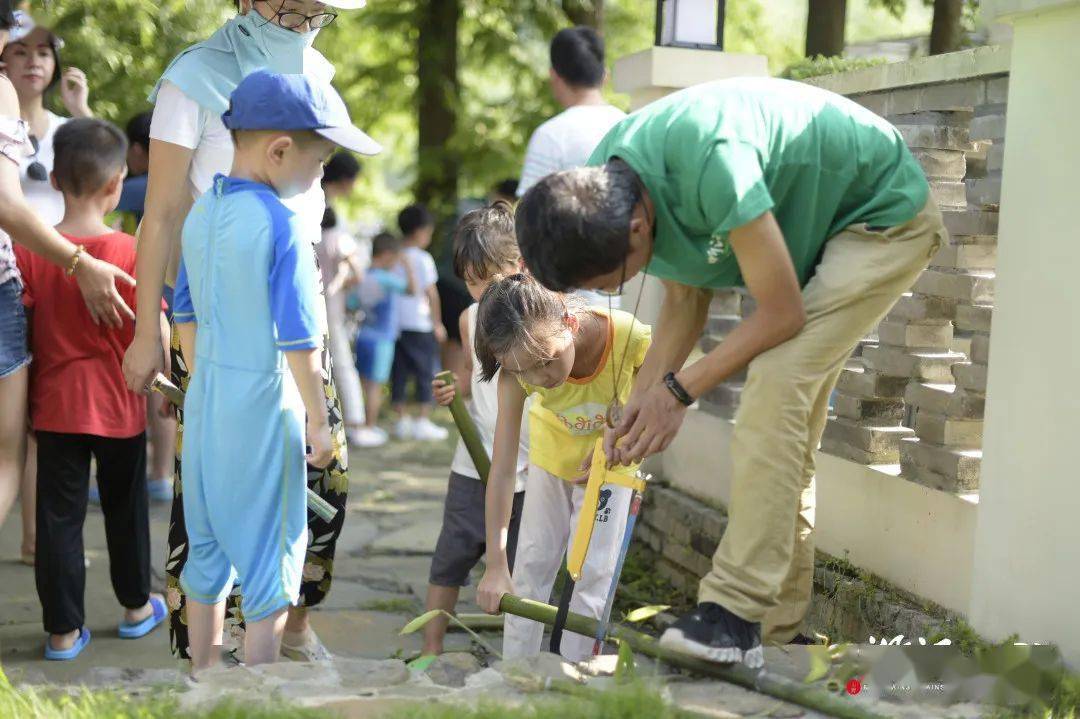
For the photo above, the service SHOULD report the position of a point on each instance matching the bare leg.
(444, 598)
(296, 622)
(28, 499)
(262, 641)
(12, 437)
(372, 402)
(206, 622)
(162, 432)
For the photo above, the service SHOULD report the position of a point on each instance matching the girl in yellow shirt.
(575, 360)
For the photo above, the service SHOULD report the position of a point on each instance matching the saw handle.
(599, 475)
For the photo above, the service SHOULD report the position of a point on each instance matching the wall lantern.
(690, 23)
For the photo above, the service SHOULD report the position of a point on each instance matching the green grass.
(633, 701)
(43, 703)
(816, 66)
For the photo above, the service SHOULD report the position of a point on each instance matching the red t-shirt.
(76, 382)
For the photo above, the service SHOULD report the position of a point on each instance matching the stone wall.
(914, 392)
(847, 605)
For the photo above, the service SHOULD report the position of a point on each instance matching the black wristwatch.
(677, 389)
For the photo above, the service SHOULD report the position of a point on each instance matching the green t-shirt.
(716, 156)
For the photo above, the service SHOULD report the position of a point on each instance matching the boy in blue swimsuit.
(249, 315)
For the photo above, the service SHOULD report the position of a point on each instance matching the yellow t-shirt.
(564, 422)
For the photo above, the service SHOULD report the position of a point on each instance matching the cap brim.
(351, 138)
(346, 4)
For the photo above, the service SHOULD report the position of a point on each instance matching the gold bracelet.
(79, 250)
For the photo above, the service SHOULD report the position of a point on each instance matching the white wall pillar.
(1026, 577)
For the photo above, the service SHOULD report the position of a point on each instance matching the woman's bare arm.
(168, 200)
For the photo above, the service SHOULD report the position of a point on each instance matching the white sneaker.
(368, 437)
(405, 429)
(427, 431)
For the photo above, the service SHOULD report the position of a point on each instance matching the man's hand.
(321, 444)
(440, 332)
(97, 282)
(142, 361)
(444, 391)
(492, 587)
(649, 424)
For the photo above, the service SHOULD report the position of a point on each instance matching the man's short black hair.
(507, 187)
(342, 165)
(329, 218)
(413, 218)
(574, 225)
(385, 242)
(138, 129)
(88, 153)
(577, 56)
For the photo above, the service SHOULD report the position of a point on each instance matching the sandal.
(63, 655)
(134, 630)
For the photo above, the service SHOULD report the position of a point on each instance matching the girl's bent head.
(526, 330)
(485, 247)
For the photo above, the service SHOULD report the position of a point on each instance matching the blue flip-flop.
(63, 655)
(134, 630)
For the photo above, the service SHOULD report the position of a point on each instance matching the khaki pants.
(764, 567)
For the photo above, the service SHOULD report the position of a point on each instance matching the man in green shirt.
(818, 209)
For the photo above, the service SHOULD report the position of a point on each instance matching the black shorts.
(416, 357)
(462, 541)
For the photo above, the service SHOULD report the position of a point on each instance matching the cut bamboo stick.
(804, 695)
(470, 435)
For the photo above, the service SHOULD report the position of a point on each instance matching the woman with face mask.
(19, 223)
(188, 146)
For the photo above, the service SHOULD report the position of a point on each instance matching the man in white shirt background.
(566, 140)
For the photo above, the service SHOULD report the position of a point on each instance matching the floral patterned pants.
(331, 484)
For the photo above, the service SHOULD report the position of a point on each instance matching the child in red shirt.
(80, 406)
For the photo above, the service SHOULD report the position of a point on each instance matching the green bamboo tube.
(470, 435)
(755, 680)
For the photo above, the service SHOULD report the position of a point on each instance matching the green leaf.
(420, 621)
(819, 663)
(642, 613)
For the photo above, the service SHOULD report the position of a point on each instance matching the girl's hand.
(75, 92)
(492, 587)
(321, 444)
(444, 393)
(440, 333)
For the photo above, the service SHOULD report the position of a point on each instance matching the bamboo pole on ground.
(759, 681)
(467, 429)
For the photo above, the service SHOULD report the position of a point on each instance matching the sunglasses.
(36, 171)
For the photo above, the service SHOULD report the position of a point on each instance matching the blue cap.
(268, 101)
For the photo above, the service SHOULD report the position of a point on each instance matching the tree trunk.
(946, 33)
(585, 12)
(438, 94)
(825, 27)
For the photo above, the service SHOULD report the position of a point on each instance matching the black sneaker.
(713, 633)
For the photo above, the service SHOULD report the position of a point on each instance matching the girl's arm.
(168, 199)
(500, 493)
